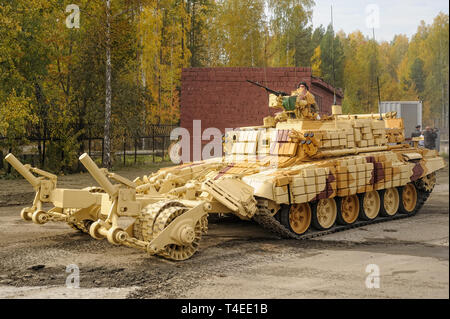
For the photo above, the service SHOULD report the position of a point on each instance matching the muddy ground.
(236, 259)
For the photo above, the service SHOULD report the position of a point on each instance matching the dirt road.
(236, 259)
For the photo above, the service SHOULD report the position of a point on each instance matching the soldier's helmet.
(303, 83)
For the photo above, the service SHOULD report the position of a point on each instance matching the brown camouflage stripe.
(417, 171)
(377, 173)
(328, 190)
(370, 159)
(224, 170)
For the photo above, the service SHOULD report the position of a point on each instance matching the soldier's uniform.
(430, 139)
(305, 95)
(416, 133)
(305, 105)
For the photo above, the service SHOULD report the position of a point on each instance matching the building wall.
(221, 97)
(324, 98)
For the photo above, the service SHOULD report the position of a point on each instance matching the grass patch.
(147, 162)
(141, 161)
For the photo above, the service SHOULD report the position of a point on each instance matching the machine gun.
(277, 93)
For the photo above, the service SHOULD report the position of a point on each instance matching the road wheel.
(324, 213)
(296, 217)
(348, 209)
(408, 199)
(369, 205)
(390, 202)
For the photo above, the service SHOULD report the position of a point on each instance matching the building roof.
(320, 82)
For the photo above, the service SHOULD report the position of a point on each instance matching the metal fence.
(127, 150)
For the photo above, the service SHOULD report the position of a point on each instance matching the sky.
(387, 17)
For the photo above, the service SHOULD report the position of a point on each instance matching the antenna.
(332, 58)
(378, 82)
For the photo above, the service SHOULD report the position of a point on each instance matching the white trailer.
(410, 111)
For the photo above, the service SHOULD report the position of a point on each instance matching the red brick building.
(222, 98)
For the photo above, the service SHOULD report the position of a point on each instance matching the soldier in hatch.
(306, 103)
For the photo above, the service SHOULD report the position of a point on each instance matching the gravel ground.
(236, 259)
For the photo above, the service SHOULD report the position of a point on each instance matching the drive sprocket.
(426, 183)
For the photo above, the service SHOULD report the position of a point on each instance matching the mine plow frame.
(165, 223)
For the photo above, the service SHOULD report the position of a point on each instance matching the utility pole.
(107, 157)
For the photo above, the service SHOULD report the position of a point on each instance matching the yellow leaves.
(14, 115)
(316, 62)
(236, 37)
(398, 76)
(164, 54)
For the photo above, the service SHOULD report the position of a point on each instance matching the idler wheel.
(426, 183)
(348, 209)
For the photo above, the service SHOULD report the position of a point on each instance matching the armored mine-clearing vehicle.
(297, 175)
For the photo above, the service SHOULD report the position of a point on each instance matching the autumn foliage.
(52, 78)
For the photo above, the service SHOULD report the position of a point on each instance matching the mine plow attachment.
(44, 184)
(170, 229)
(167, 226)
(76, 207)
(174, 179)
(233, 194)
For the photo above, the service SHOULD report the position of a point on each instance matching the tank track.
(82, 226)
(265, 219)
